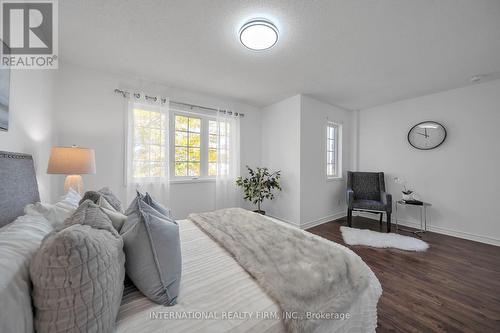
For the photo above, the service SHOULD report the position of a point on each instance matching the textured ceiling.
(351, 53)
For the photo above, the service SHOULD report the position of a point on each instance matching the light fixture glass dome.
(259, 34)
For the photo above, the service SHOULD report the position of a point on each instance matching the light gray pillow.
(156, 205)
(153, 251)
(117, 218)
(78, 275)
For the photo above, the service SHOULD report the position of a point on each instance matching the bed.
(217, 294)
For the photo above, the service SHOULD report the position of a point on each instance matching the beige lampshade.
(71, 161)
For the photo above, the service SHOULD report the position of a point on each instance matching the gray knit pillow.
(107, 194)
(78, 275)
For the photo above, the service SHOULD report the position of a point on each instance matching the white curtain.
(228, 160)
(146, 153)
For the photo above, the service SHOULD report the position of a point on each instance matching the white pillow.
(57, 213)
(19, 241)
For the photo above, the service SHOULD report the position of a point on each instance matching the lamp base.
(75, 182)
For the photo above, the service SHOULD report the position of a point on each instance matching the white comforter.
(19, 240)
(215, 286)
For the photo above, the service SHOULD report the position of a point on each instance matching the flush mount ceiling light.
(259, 34)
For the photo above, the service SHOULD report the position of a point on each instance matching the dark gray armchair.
(366, 193)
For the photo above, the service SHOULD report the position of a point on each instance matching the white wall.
(281, 151)
(460, 178)
(322, 200)
(30, 126)
(89, 114)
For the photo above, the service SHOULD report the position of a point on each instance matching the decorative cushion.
(117, 218)
(156, 205)
(152, 247)
(88, 213)
(107, 194)
(78, 275)
(57, 213)
(19, 241)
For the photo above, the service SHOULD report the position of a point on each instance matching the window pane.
(212, 141)
(212, 127)
(181, 169)
(141, 135)
(194, 140)
(193, 169)
(141, 169)
(194, 154)
(330, 157)
(155, 120)
(212, 155)
(180, 154)
(141, 152)
(331, 133)
(155, 153)
(212, 169)
(181, 123)
(141, 117)
(330, 170)
(330, 145)
(155, 136)
(194, 125)
(181, 139)
(156, 170)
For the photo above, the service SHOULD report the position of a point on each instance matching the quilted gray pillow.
(78, 275)
(153, 251)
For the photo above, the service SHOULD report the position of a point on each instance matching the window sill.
(192, 180)
(334, 179)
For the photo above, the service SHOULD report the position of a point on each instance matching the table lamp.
(72, 162)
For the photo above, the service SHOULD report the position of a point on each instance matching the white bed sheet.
(215, 286)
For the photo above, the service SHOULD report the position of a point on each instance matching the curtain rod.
(163, 100)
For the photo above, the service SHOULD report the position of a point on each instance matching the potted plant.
(259, 186)
(407, 193)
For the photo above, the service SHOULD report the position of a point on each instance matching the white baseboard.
(313, 223)
(284, 220)
(440, 230)
(337, 215)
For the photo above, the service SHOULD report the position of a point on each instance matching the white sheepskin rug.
(366, 237)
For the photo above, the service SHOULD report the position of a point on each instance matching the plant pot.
(261, 212)
(407, 197)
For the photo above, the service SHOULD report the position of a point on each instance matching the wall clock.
(427, 135)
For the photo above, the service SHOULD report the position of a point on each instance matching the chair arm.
(387, 201)
(349, 197)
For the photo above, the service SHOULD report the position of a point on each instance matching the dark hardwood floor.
(452, 287)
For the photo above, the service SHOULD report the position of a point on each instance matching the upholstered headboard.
(18, 186)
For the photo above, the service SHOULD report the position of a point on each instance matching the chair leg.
(380, 221)
(349, 217)
(388, 222)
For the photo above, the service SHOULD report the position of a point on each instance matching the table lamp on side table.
(72, 162)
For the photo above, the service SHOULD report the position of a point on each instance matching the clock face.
(427, 135)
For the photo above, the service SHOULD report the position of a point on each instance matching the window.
(187, 146)
(218, 148)
(148, 142)
(201, 146)
(333, 147)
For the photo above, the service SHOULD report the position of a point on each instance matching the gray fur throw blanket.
(302, 272)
